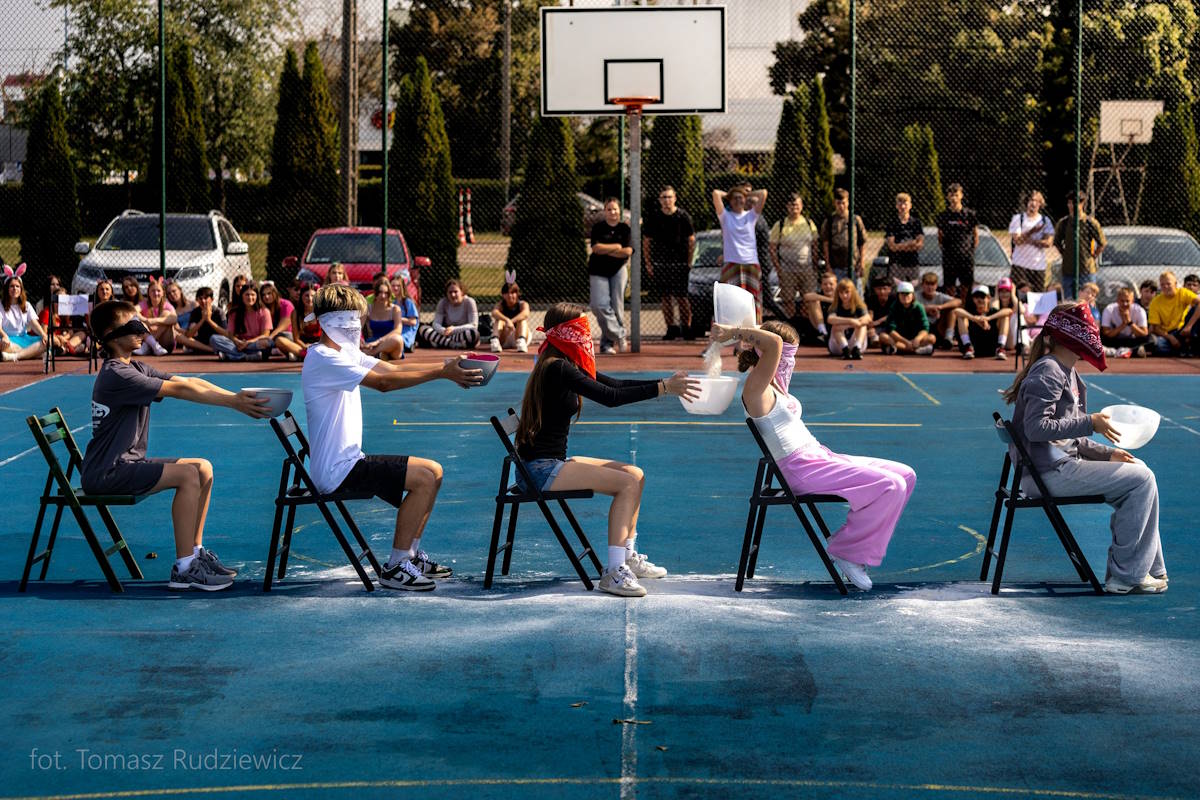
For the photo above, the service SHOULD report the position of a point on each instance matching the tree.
(285, 239)
(820, 171)
(187, 174)
(1173, 182)
(916, 172)
(316, 157)
(793, 154)
(676, 157)
(50, 226)
(421, 190)
(547, 251)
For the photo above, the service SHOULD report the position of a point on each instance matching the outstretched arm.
(387, 377)
(198, 390)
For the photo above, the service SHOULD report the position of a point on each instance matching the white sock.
(966, 339)
(821, 329)
(416, 546)
(616, 556)
(196, 550)
(1002, 340)
(182, 564)
(630, 546)
(398, 555)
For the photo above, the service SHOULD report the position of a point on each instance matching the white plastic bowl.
(733, 305)
(279, 399)
(484, 361)
(715, 394)
(1136, 424)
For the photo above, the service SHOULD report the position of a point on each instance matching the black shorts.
(382, 476)
(129, 477)
(958, 271)
(671, 279)
(986, 343)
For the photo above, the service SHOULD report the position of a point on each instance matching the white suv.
(202, 250)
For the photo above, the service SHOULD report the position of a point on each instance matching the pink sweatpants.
(876, 489)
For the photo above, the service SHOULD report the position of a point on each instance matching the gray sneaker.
(213, 564)
(197, 576)
(405, 576)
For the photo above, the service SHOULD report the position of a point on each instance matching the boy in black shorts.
(333, 370)
(116, 462)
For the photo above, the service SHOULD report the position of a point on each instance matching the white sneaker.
(7, 356)
(925, 350)
(621, 582)
(158, 349)
(496, 348)
(1001, 355)
(1148, 585)
(1110, 352)
(522, 345)
(642, 567)
(1124, 352)
(855, 573)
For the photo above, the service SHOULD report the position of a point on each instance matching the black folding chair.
(297, 489)
(49, 357)
(765, 495)
(512, 495)
(59, 493)
(1011, 496)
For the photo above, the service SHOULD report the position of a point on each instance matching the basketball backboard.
(1128, 121)
(675, 54)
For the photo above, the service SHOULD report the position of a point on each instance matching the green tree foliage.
(316, 157)
(916, 171)
(50, 226)
(793, 154)
(285, 239)
(187, 173)
(819, 200)
(676, 158)
(1173, 179)
(547, 250)
(422, 199)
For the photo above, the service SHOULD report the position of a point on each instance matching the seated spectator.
(455, 321)
(131, 290)
(410, 315)
(204, 321)
(68, 334)
(382, 325)
(510, 319)
(879, 303)
(1146, 292)
(160, 318)
(1192, 283)
(848, 321)
(101, 294)
(1170, 323)
(938, 306)
(907, 329)
(281, 321)
(249, 332)
(1124, 328)
(817, 306)
(235, 293)
(183, 306)
(1088, 293)
(21, 335)
(337, 274)
(306, 331)
(984, 328)
(1006, 298)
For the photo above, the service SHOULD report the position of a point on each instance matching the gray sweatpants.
(1132, 491)
(608, 304)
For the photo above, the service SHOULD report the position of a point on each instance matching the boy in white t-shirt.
(333, 370)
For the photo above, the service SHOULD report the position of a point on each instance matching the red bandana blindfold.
(573, 339)
(1075, 329)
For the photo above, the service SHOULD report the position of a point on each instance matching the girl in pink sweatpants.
(876, 489)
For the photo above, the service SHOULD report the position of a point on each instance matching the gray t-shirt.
(938, 299)
(121, 401)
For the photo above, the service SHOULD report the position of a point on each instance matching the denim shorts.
(543, 472)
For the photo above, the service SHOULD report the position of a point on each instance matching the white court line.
(1127, 400)
(629, 706)
(11, 459)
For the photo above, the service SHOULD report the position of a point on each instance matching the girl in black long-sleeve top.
(565, 373)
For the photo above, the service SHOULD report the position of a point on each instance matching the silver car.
(1136, 253)
(202, 250)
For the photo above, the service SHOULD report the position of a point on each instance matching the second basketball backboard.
(674, 54)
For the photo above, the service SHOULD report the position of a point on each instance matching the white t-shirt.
(15, 321)
(330, 380)
(1039, 227)
(1111, 318)
(737, 237)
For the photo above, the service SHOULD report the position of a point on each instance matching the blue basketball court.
(927, 686)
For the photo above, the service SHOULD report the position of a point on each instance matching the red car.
(358, 250)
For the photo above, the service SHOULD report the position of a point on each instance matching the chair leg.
(50, 541)
(819, 546)
(993, 527)
(358, 537)
(744, 559)
(37, 533)
(276, 525)
(1003, 554)
(1074, 551)
(289, 528)
(583, 540)
(566, 546)
(812, 509)
(131, 564)
(346, 548)
(510, 537)
(757, 544)
(495, 542)
(90, 535)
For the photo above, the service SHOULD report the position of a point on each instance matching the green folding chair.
(59, 493)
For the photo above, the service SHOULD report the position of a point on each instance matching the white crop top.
(782, 429)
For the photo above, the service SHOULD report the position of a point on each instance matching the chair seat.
(95, 499)
(776, 496)
(1028, 501)
(298, 495)
(515, 494)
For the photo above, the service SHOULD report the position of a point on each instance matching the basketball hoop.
(633, 105)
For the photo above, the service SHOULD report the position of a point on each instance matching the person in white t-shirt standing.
(1032, 235)
(333, 370)
(739, 245)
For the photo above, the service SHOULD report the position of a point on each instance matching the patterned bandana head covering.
(573, 339)
(1075, 329)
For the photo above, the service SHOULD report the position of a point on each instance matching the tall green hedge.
(1173, 183)
(676, 158)
(916, 171)
(820, 171)
(188, 187)
(793, 154)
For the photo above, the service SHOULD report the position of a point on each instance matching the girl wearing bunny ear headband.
(18, 319)
(510, 317)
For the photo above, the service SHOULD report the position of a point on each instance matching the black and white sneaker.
(405, 576)
(213, 564)
(430, 568)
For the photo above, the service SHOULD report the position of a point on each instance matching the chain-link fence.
(265, 127)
